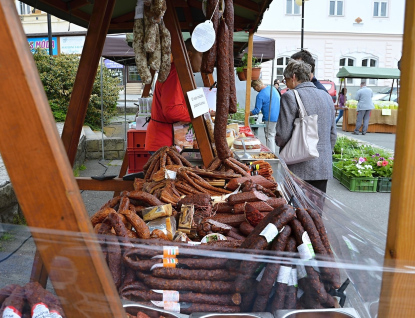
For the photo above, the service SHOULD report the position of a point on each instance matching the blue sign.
(43, 43)
(112, 64)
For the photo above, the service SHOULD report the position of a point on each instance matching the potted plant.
(242, 70)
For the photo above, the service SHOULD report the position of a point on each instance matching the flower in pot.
(241, 74)
(256, 66)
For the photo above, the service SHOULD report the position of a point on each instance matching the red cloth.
(168, 107)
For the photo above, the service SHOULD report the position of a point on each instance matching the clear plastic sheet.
(359, 254)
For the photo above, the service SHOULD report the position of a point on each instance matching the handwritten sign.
(386, 112)
(198, 102)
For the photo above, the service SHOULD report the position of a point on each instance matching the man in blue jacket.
(364, 106)
(262, 105)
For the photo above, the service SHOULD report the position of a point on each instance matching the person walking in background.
(342, 102)
(297, 76)
(277, 85)
(306, 57)
(364, 106)
(262, 105)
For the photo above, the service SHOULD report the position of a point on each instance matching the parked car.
(328, 85)
(384, 93)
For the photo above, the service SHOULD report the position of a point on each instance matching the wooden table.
(373, 128)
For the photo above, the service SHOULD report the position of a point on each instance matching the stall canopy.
(368, 72)
(117, 47)
(248, 13)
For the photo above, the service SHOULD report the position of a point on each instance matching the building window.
(336, 7)
(292, 7)
(370, 62)
(380, 9)
(23, 8)
(347, 61)
(281, 64)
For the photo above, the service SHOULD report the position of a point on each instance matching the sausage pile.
(17, 301)
(152, 42)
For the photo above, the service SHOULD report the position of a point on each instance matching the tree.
(58, 73)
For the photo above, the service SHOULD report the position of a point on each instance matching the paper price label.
(301, 272)
(170, 251)
(139, 10)
(284, 275)
(258, 279)
(270, 232)
(55, 314)
(169, 174)
(203, 36)
(306, 249)
(171, 306)
(11, 312)
(293, 278)
(170, 262)
(40, 310)
(171, 296)
(198, 102)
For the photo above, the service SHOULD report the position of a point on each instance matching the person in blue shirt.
(262, 105)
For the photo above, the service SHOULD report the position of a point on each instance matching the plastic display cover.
(359, 255)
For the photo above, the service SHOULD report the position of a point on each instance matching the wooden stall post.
(187, 81)
(88, 65)
(248, 77)
(43, 181)
(399, 288)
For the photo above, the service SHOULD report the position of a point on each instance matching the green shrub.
(58, 73)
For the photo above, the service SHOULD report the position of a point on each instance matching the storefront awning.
(368, 72)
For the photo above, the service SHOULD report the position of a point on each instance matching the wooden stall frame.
(51, 200)
(248, 78)
(398, 288)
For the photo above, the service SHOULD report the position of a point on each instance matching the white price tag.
(198, 102)
(386, 112)
(203, 36)
(139, 10)
(306, 249)
(11, 312)
(270, 232)
(284, 275)
(40, 310)
(169, 174)
(301, 272)
(171, 296)
(172, 306)
(55, 314)
(293, 278)
(258, 279)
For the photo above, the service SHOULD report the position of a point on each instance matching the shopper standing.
(342, 102)
(364, 106)
(262, 105)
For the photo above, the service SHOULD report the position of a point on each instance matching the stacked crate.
(137, 156)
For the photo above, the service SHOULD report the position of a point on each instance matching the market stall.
(73, 254)
(380, 120)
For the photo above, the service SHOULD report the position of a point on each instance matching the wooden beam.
(88, 65)
(248, 78)
(184, 71)
(397, 287)
(247, 4)
(43, 181)
(39, 273)
(76, 4)
(116, 184)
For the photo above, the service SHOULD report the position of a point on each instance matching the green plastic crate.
(359, 184)
(337, 172)
(384, 184)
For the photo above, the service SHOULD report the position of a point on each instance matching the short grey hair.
(300, 69)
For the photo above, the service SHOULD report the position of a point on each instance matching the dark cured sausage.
(151, 200)
(114, 259)
(53, 303)
(209, 308)
(6, 292)
(260, 206)
(200, 286)
(222, 97)
(290, 301)
(329, 274)
(276, 202)
(271, 271)
(229, 18)
(15, 300)
(243, 197)
(199, 274)
(223, 208)
(318, 222)
(209, 57)
(246, 228)
(223, 300)
(230, 219)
